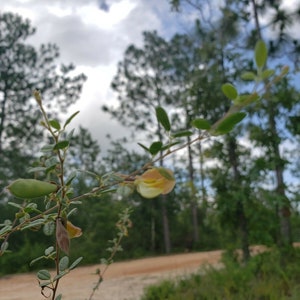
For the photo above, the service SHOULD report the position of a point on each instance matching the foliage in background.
(231, 205)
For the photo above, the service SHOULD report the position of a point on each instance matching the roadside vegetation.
(272, 275)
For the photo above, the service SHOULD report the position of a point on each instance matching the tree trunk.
(240, 211)
(166, 229)
(202, 180)
(165, 221)
(153, 231)
(285, 237)
(194, 204)
(2, 118)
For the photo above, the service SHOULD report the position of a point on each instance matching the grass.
(268, 276)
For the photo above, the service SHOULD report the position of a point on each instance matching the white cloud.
(94, 40)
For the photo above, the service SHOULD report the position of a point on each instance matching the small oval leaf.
(260, 54)
(63, 263)
(229, 122)
(155, 147)
(162, 118)
(55, 124)
(201, 124)
(35, 223)
(182, 134)
(49, 250)
(35, 260)
(43, 275)
(75, 263)
(248, 76)
(59, 297)
(267, 73)
(144, 147)
(71, 118)
(36, 169)
(48, 228)
(4, 247)
(61, 145)
(229, 91)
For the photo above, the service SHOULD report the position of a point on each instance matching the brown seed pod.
(62, 236)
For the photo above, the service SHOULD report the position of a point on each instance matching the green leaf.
(61, 145)
(243, 100)
(36, 169)
(162, 118)
(229, 91)
(4, 246)
(75, 263)
(48, 228)
(249, 76)
(144, 147)
(51, 161)
(182, 134)
(201, 124)
(31, 207)
(60, 275)
(125, 190)
(229, 122)
(284, 70)
(15, 205)
(70, 119)
(165, 173)
(155, 147)
(260, 54)
(47, 148)
(168, 146)
(72, 211)
(5, 229)
(267, 73)
(55, 124)
(43, 275)
(59, 297)
(70, 178)
(42, 284)
(70, 135)
(49, 250)
(34, 223)
(35, 260)
(63, 263)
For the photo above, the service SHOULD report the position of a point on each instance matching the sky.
(94, 34)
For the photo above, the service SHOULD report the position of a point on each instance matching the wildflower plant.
(54, 185)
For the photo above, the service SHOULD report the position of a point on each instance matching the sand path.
(122, 281)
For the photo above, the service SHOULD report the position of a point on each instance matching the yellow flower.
(154, 182)
(73, 231)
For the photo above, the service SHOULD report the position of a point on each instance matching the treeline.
(231, 191)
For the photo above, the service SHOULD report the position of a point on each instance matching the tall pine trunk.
(194, 204)
(240, 210)
(284, 213)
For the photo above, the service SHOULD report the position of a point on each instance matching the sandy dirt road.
(122, 281)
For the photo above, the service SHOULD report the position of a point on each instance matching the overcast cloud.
(93, 34)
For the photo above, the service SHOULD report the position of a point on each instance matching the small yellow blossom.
(154, 182)
(73, 231)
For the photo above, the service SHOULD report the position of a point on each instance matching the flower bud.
(31, 188)
(37, 96)
(154, 182)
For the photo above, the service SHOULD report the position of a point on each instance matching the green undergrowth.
(272, 275)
